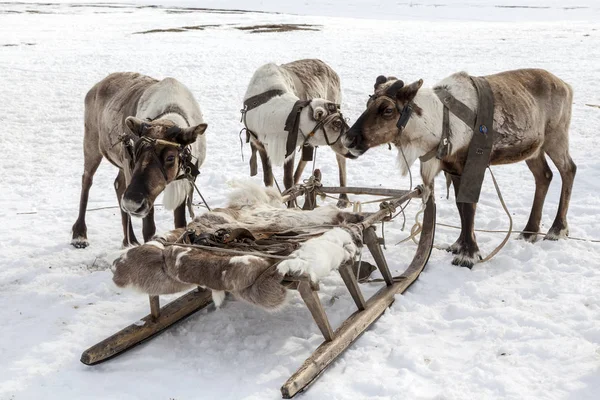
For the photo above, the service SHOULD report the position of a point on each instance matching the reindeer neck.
(422, 134)
(429, 122)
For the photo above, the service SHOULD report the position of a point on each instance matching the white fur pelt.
(154, 102)
(256, 206)
(319, 256)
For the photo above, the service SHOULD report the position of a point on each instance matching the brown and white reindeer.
(270, 115)
(153, 132)
(531, 117)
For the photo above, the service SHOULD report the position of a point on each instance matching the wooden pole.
(372, 242)
(358, 322)
(311, 299)
(299, 190)
(154, 307)
(349, 279)
(359, 190)
(147, 327)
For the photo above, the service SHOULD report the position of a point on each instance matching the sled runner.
(257, 250)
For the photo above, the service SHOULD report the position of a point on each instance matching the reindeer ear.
(395, 88)
(189, 135)
(380, 80)
(408, 92)
(135, 125)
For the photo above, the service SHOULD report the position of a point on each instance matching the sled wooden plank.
(311, 299)
(135, 334)
(358, 322)
(359, 190)
(349, 279)
(299, 190)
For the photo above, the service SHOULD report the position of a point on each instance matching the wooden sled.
(336, 341)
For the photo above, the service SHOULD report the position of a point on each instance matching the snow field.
(523, 326)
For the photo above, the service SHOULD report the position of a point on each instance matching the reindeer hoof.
(528, 237)
(556, 233)
(465, 260)
(80, 243)
(343, 202)
(133, 243)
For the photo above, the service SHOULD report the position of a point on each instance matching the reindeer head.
(324, 123)
(156, 152)
(385, 116)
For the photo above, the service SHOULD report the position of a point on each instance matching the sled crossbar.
(358, 190)
(336, 341)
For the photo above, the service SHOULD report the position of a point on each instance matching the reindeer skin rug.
(159, 267)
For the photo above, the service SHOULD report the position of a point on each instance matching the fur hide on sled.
(315, 243)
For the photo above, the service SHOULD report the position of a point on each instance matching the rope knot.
(386, 205)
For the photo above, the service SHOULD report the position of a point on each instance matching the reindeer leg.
(288, 171)
(288, 174)
(567, 169)
(179, 215)
(92, 159)
(468, 255)
(543, 176)
(253, 164)
(266, 164)
(457, 246)
(343, 201)
(128, 234)
(148, 226)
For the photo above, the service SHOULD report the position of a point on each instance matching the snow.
(523, 326)
(438, 10)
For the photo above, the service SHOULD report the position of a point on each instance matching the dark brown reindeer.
(531, 117)
(153, 132)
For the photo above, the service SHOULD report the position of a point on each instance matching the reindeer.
(531, 117)
(269, 110)
(153, 131)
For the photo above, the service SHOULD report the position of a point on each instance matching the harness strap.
(480, 148)
(260, 99)
(292, 124)
(458, 108)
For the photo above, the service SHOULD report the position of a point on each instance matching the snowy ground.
(524, 326)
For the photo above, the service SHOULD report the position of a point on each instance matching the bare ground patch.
(17, 44)
(279, 28)
(180, 29)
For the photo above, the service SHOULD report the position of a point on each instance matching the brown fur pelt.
(156, 269)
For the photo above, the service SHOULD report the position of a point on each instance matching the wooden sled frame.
(368, 311)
